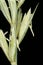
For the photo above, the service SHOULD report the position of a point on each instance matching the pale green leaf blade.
(4, 9)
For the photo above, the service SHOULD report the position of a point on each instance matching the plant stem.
(13, 63)
(13, 46)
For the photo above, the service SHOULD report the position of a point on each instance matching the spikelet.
(5, 11)
(24, 25)
(4, 44)
(13, 10)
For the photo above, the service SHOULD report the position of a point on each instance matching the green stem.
(13, 46)
(13, 63)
